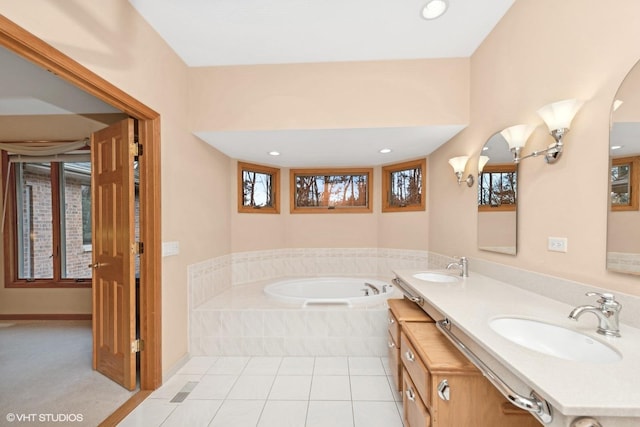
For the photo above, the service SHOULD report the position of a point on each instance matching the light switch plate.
(170, 248)
(557, 244)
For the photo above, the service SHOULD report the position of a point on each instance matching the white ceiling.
(28, 90)
(233, 32)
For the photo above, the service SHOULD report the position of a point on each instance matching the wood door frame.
(30, 47)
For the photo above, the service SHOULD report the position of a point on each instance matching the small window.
(403, 186)
(258, 189)
(625, 173)
(497, 190)
(331, 190)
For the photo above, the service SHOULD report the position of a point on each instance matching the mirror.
(623, 222)
(497, 188)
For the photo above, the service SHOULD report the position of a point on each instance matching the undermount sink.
(554, 340)
(432, 276)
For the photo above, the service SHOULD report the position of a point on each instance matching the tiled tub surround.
(229, 314)
(243, 321)
(211, 277)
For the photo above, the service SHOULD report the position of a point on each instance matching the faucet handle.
(606, 299)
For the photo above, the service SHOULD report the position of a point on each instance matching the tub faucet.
(374, 288)
(607, 312)
(463, 265)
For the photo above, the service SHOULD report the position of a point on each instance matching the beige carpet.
(46, 376)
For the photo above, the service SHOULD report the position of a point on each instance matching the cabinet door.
(415, 413)
(395, 365)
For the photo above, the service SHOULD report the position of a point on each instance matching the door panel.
(113, 237)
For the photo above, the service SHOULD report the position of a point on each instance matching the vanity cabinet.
(442, 388)
(400, 311)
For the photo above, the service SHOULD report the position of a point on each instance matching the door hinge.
(137, 248)
(136, 149)
(137, 346)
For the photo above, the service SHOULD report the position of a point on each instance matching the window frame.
(10, 260)
(293, 173)
(634, 182)
(386, 185)
(267, 170)
(498, 168)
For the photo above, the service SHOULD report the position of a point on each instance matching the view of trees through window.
(620, 184)
(348, 190)
(257, 189)
(406, 187)
(497, 188)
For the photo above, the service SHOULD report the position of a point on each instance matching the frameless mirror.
(497, 188)
(623, 222)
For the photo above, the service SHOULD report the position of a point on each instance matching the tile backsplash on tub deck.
(209, 278)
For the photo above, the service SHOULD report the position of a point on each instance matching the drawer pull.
(391, 344)
(409, 356)
(410, 394)
(443, 390)
(391, 321)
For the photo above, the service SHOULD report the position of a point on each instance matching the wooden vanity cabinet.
(400, 311)
(442, 388)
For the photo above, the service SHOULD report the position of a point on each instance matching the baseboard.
(56, 316)
(175, 367)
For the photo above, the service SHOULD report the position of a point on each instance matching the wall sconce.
(558, 117)
(482, 161)
(517, 136)
(458, 164)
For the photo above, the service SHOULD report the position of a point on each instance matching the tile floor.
(275, 391)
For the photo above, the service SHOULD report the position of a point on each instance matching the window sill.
(43, 284)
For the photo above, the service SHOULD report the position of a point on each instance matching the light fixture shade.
(482, 161)
(559, 115)
(517, 136)
(458, 163)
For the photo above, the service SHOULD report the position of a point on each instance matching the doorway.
(26, 45)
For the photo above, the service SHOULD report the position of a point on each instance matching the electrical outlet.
(557, 244)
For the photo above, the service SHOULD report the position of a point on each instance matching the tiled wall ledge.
(211, 277)
(623, 262)
(567, 291)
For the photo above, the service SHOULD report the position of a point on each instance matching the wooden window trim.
(11, 255)
(505, 168)
(634, 182)
(275, 173)
(329, 171)
(386, 185)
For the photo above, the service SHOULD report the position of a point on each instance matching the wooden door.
(114, 327)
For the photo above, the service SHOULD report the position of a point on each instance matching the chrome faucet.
(463, 265)
(375, 289)
(607, 313)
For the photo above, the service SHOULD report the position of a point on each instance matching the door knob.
(94, 266)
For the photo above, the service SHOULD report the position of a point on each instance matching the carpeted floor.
(46, 376)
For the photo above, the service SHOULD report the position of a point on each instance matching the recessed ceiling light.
(485, 148)
(385, 150)
(434, 9)
(274, 153)
(616, 147)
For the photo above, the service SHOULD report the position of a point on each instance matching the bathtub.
(348, 291)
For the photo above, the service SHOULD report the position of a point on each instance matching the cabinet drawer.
(393, 327)
(395, 365)
(414, 412)
(420, 376)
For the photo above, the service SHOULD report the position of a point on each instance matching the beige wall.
(330, 95)
(405, 230)
(111, 39)
(543, 51)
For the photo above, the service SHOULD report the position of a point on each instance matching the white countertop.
(572, 388)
